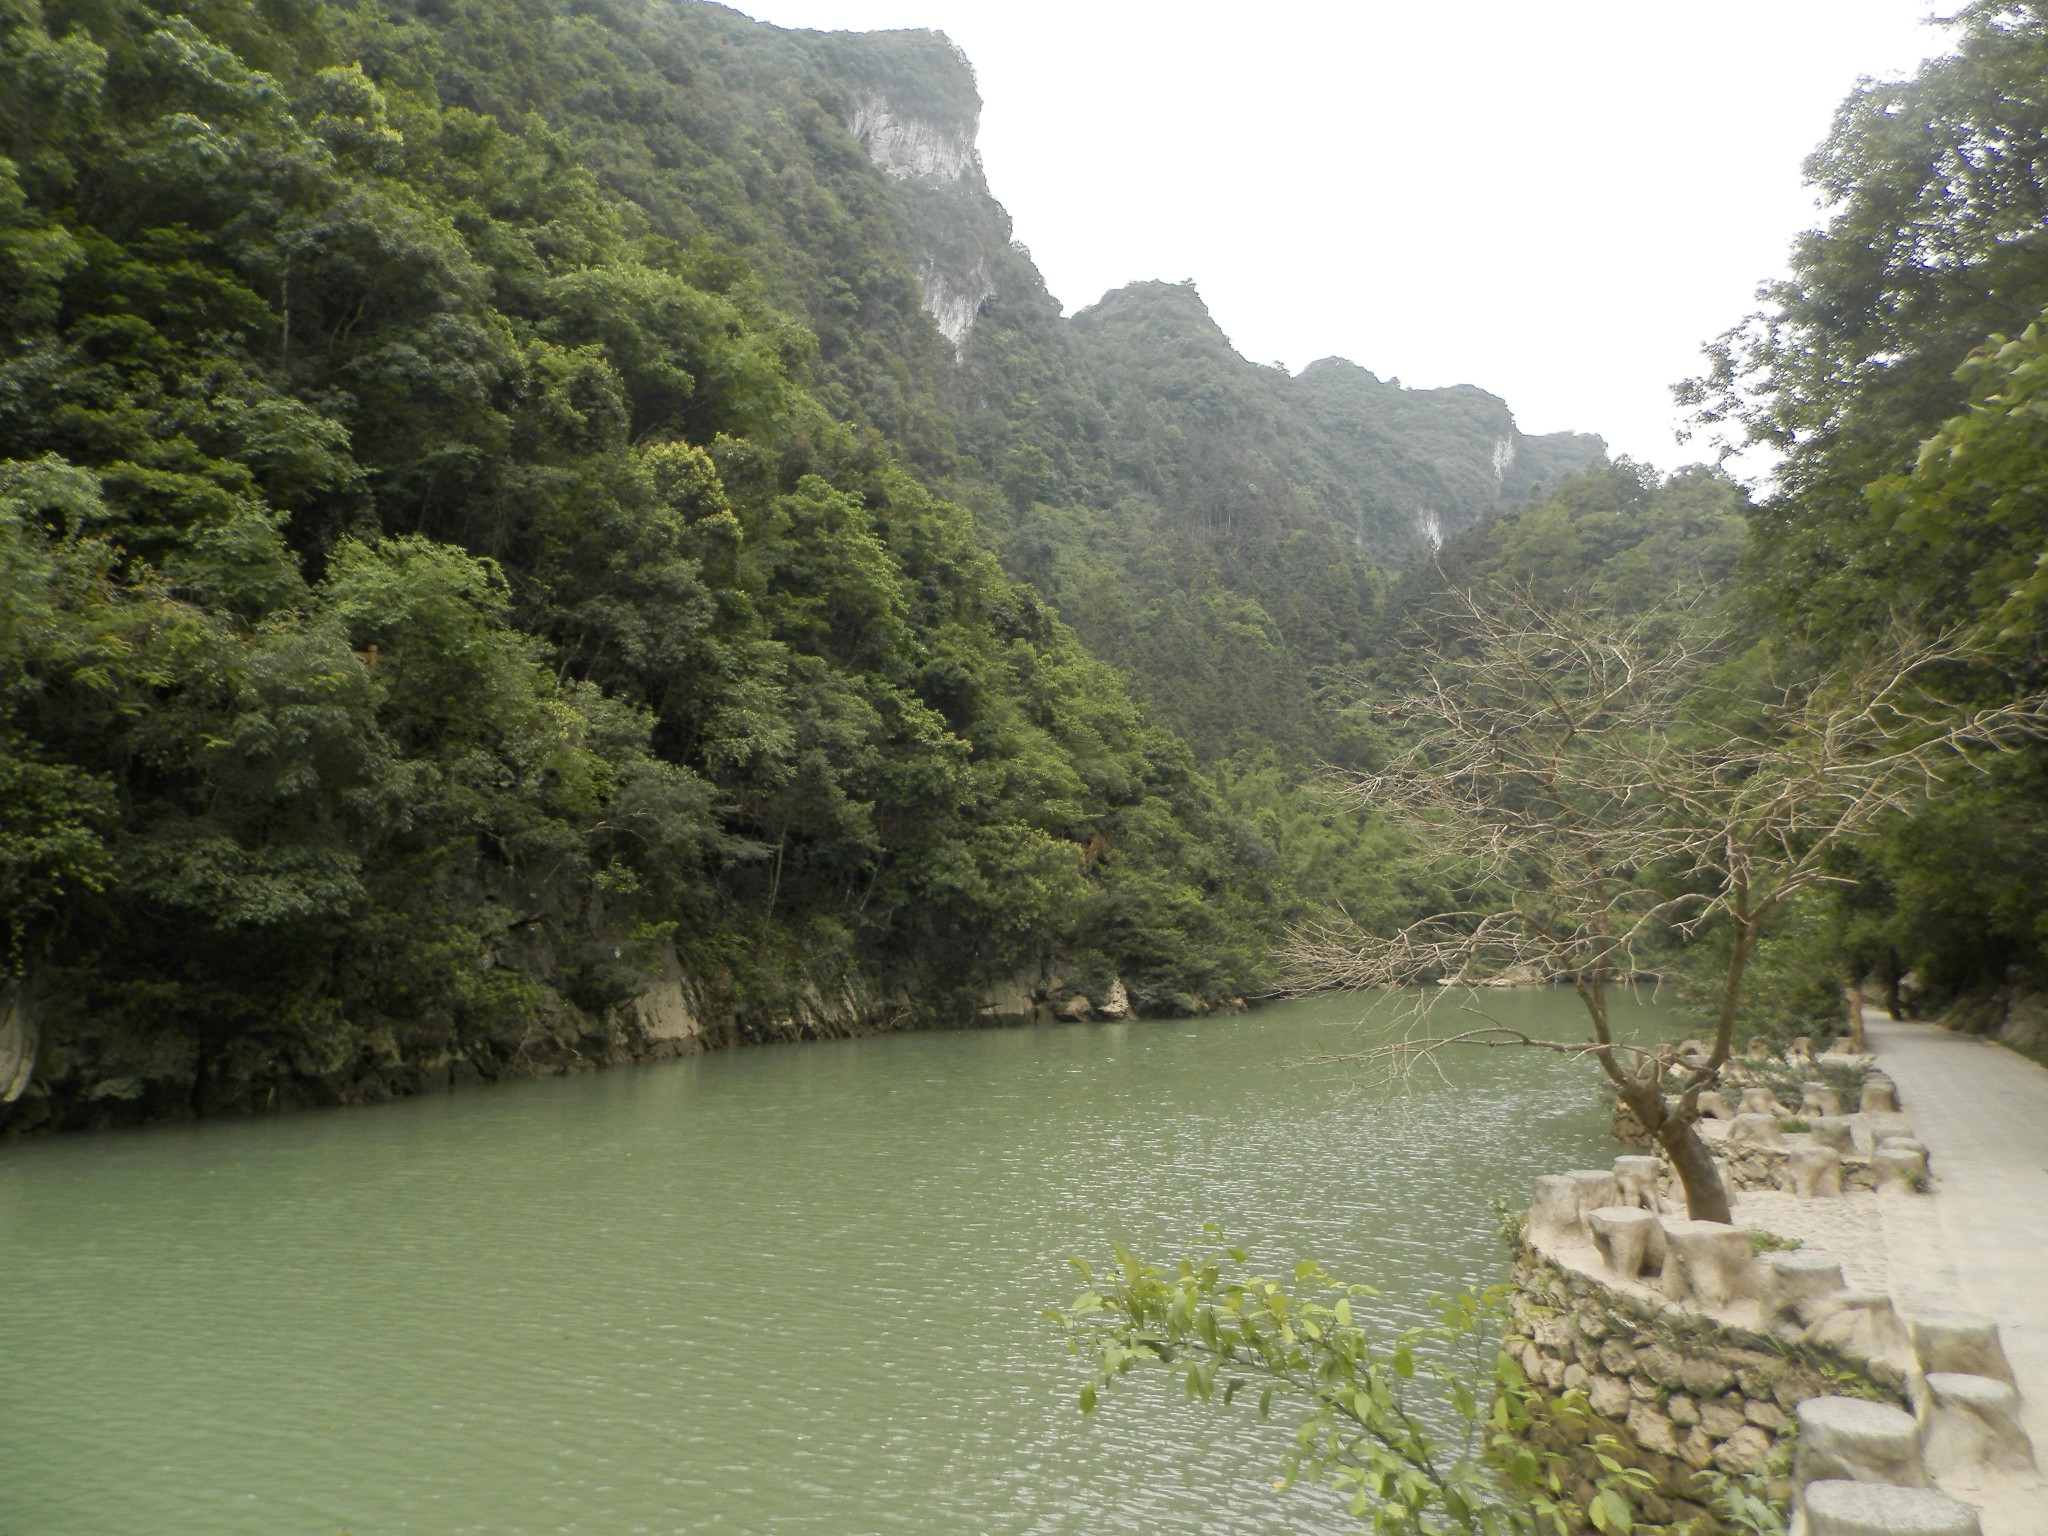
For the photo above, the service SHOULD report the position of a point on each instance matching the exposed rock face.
(905, 146)
(19, 1038)
(957, 227)
(2013, 1015)
(85, 1078)
(955, 300)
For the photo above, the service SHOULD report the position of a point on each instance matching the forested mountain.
(499, 510)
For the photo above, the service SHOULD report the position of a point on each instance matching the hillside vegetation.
(535, 535)
(498, 566)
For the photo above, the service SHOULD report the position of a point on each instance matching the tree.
(1628, 784)
(1426, 1431)
(1932, 239)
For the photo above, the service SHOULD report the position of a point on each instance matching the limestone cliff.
(1398, 470)
(910, 103)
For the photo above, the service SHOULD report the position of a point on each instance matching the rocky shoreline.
(58, 1079)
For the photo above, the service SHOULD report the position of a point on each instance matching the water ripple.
(779, 1291)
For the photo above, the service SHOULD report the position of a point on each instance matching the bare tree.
(1628, 792)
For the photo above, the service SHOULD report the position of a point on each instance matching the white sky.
(1557, 201)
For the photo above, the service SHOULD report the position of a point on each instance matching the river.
(784, 1290)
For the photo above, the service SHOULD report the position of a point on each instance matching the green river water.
(789, 1290)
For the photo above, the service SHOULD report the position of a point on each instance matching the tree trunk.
(1674, 1132)
(1706, 1197)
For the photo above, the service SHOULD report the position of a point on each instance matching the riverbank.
(1886, 1279)
(62, 1077)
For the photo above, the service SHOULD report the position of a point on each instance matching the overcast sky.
(1558, 200)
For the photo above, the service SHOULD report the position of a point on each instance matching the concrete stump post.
(1861, 1323)
(1755, 1130)
(1880, 1095)
(1859, 1442)
(1596, 1188)
(1708, 1262)
(1836, 1508)
(1558, 1210)
(1800, 1051)
(1960, 1343)
(1974, 1422)
(1833, 1131)
(1793, 1282)
(1554, 1208)
(1630, 1239)
(1900, 1171)
(1814, 1172)
(1639, 1179)
(1760, 1101)
(1713, 1105)
(1818, 1099)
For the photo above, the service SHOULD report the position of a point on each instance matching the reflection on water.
(791, 1290)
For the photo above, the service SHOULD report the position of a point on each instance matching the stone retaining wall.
(1682, 1394)
(1754, 1167)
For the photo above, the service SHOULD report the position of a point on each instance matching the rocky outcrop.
(20, 1038)
(2015, 1015)
(958, 232)
(88, 1076)
(906, 146)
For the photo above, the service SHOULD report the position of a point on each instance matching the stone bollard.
(1899, 1170)
(1755, 1130)
(1861, 1324)
(1836, 1508)
(1713, 1106)
(1960, 1343)
(1794, 1282)
(1904, 1143)
(1596, 1188)
(1554, 1209)
(1880, 1095)
(1760, 1101)
(1814, 1172)
(1800, 1051)
(1558, 1210)
(1818, 1099)
(1862, 1442)
(1630, 1239)
(1759, 1049)
(1833, 1131)
(1639, 1179)
(1972, 1422)
(1708, 1262)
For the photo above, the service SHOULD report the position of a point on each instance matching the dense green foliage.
(1898, 369)
(488, 525)
(441, 581)
(1423, 1431)
(1222, 530)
